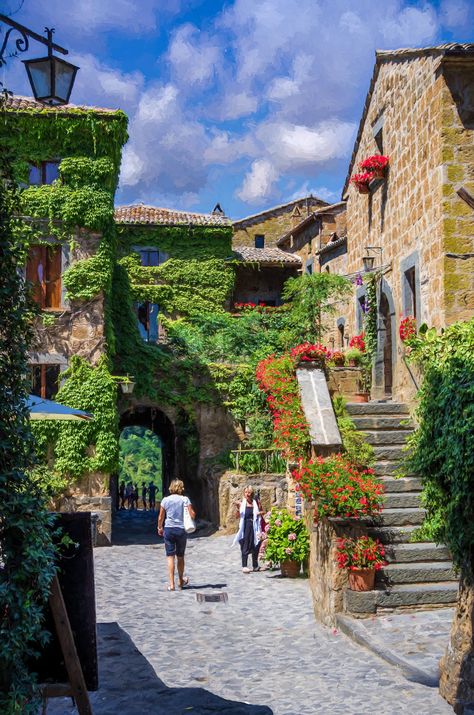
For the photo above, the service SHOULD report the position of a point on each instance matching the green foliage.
(27, 556)
(441, 449)
(313, 298)
(355, 448)
(140, 456)
(370, 317)
(79, 447)
(288, 538)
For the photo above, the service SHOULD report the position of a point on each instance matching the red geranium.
(361, 553)
(374, 163)
(309, 352)
(407, 329)
(363, 179)
(358, 341)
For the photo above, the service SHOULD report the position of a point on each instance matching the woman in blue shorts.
(171, 517)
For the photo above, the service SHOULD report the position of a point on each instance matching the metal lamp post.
(368, 261)
(51, 78)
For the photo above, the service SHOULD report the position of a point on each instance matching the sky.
(246, 103)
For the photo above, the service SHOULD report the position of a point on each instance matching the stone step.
(391, 534)
(390, 453)
(380, 422)
(404, 484)
(418, 572)
(400, 517)
(386, 437)
(377, 408)
(385, 467)
(411, 553)
(402, 500)
(404, 595)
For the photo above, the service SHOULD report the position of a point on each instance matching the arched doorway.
(141, 420)
(386, 355)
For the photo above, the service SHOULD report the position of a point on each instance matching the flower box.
(362, 182)
(376, 165)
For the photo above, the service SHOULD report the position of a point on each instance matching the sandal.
(170, 588)
(184, 583)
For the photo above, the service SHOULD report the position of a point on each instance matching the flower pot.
(363, 188)
(360, 397)
(361, 579)
(290, 569)
(378, 173)
(352, 363)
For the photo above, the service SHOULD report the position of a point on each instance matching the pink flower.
(267, 528)
(291, 537)
(277, 522)
(288, 550)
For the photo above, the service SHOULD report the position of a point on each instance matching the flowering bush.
(310, 353)
(287, 536)
(362, 179)
(338, 488)
(338, 357)
(374, 163)
(276, 377)
(358, 341)
(407, 329)
(251, 306)
(361, 553)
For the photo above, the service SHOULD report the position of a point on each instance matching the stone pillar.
(456, 683)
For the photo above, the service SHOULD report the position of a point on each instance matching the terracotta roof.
(18, 103)
(333, 243)
(152, 215)
(407, 53)
(248, 254)
(255, 217)
(309, 219)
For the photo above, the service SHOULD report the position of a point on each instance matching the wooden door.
(43, 269)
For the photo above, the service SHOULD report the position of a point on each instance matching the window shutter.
(53, 277)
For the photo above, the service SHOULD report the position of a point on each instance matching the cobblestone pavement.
(166, 653)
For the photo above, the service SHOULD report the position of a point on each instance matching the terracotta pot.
(360, 397)
(361, 579)
(291, 569)
(352, 363)
(363, 188)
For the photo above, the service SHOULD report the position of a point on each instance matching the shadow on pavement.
(130, 686)
(139, 527)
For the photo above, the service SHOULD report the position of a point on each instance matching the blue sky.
(248, 103)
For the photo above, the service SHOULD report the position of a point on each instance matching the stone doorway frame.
(386, 354)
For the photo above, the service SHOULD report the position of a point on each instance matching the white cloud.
(455, 14)
(322, 192)
(234, 105)
(259, 182)
(411, 26)
(100, 85)
(224, 149)
(194, 59)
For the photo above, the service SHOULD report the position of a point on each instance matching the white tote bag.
(189, 525)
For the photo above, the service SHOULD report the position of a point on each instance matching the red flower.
(374, 163)
(407, 329)
(358, 341)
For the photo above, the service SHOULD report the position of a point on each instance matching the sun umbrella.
(41, 409)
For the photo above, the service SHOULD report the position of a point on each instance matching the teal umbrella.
(41, 409)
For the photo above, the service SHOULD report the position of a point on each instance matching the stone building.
(416, 222)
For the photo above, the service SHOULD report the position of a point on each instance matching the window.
(45, 380)
(43, 269)
(410, 292)
(309, 267)
(340, 330)
(147, 317)
(259, 240)
(44, 173)
(377, 132)
(151, 256)
(361, 310)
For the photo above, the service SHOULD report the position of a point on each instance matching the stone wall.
(405, 214)
(274, 223)
(458, 171)
(272, 489)
(326, 580)
(345, 381)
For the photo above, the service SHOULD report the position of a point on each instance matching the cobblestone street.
(263, 647)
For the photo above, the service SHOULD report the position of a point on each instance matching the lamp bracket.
(22, 42)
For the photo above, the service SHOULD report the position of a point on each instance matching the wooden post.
(68, 647)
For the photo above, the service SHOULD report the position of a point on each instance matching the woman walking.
(171, 526)
(249, 533)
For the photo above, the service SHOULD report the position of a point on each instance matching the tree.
(26, 551)
(313, 298)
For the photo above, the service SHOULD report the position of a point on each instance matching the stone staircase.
(418, 575)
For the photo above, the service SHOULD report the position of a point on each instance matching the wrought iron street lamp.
(51, 78)
(368, 260)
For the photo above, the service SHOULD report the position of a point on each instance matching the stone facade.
(419, 112)
(272, 489)
(274, 222)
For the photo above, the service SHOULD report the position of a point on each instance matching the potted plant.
(309, 352)
(376, 165)
(362, 181)
(338, 358)
(361, 557)
(358, 341)
(354, 357)
(287, 542)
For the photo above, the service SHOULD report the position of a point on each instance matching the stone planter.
(290, 569)
(361, 579)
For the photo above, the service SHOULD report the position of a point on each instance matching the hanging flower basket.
(376, 165)
(362, 181)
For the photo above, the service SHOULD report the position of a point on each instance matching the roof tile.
(152, 215)
(248, 254)
(18, 103)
